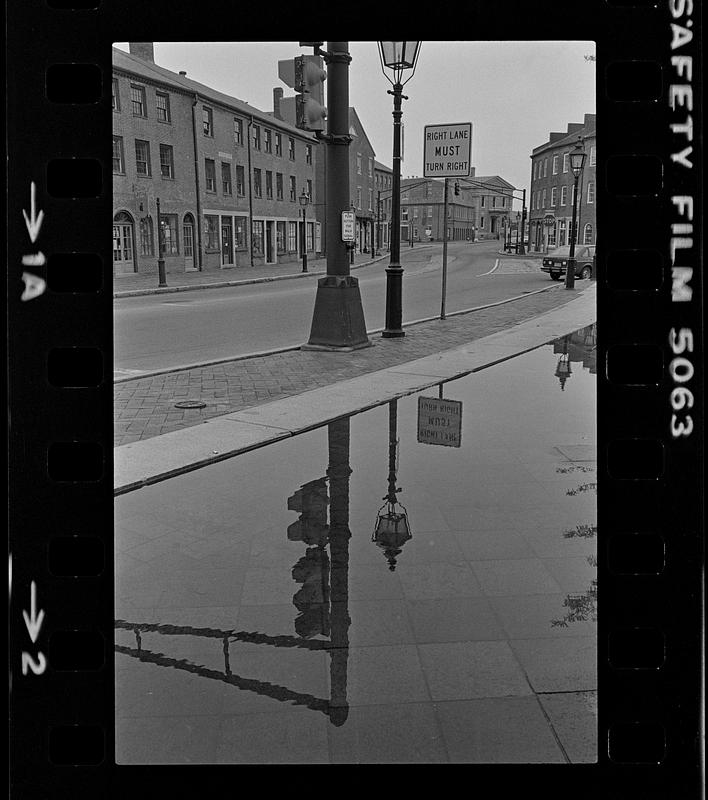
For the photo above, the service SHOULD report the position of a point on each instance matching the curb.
(244, 282)
(290, 348)
(140, 464)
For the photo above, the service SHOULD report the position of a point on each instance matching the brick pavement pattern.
(145, 407)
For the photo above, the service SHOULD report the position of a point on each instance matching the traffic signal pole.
(338, 317)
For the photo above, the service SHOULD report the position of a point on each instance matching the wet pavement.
(358, 594)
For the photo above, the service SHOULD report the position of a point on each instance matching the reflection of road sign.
(439, 421)
(348, 226)
(549, 220)
(447, 150)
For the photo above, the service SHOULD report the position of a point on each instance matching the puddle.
(415, 583)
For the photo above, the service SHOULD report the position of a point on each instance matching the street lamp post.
(162, 279)
(377, 238)
(518, 223)
(522, 251)
(577, 162)
(398, 57)
(304, 200)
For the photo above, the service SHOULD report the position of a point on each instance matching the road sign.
(549, 220)
(439, 421)
(348, 226)
(447, 150)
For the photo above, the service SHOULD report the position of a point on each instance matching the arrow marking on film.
(34, 260)
(34, 286)
(33, 622)
(34, 223)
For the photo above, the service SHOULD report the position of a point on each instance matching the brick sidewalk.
(145, 407)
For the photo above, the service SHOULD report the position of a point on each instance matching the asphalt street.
(155, 332)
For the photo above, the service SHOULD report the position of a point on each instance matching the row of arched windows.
(129, 243)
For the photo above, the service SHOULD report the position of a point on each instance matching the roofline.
(192, 87)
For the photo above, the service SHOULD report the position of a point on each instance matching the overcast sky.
(513, 93)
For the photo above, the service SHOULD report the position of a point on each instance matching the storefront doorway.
(123, 244)
(227, 242)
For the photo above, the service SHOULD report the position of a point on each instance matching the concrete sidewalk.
(250, 402)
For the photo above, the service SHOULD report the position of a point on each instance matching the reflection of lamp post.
(563, 370)
(396, 56)
(304, 200)
(162, 280)
(577, 162)
(392, 530)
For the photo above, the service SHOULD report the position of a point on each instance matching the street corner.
(516, 266)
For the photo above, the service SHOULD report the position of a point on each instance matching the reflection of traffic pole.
(338, 473)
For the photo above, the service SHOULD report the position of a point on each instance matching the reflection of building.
(552, 188)
(580, 346)
(237, 207)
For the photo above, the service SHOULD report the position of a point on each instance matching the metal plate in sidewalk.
(190, 404)
(440, 421)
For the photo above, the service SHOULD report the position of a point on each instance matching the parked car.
(557, 260)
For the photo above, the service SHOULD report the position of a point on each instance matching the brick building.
(227, 175)
(361, 175)
(552, 188)
(492, 198)
(383, 180)
(422, 211)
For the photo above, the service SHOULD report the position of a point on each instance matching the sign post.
(348, 226)
(447, 153)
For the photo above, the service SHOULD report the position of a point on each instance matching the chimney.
(183, 73)
(277, 97)
(142, 50)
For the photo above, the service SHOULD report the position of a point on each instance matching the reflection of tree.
(581, 607)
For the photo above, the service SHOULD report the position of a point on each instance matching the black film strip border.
(649, 500)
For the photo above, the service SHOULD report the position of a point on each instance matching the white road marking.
(496, 265)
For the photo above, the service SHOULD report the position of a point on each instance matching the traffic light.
(457, 187)
(306, 75)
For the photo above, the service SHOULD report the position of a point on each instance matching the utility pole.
(338, 317)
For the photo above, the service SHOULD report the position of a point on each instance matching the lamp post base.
(394, 303)
(338, 319)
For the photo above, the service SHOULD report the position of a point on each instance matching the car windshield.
(560, 251)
